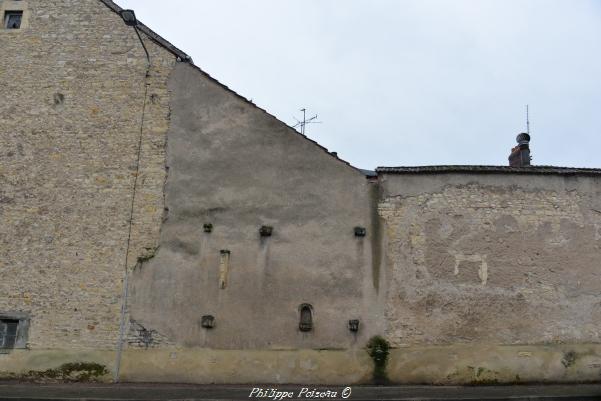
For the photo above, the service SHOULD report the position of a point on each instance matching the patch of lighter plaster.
(482, 271)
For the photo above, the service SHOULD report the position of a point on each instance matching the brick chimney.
(520, 155)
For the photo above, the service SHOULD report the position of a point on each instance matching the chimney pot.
(520, 155)
(523, 139)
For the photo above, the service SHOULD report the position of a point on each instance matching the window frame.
(7, 336)
(14, 6)
(22, 332)
(11, 13)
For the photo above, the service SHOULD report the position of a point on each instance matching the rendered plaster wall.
(234, 166)
(509, 259)
(492, 277)
(72, 83)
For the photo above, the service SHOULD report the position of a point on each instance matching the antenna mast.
(305, 122)
(527, 121)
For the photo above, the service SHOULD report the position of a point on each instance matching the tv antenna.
(527, 121)
(303, 124)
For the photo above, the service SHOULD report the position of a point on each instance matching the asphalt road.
(150, 392)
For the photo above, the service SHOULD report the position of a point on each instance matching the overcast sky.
(407, 82)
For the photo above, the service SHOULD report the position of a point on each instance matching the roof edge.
(475, 169)
(152, 34)
(186, 58)
(239, 96)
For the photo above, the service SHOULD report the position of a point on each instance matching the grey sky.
(407, 82)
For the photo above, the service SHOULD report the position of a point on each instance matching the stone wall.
(73, 80)
(509, 259)
(471, 277)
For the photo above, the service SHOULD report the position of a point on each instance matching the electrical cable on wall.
(130, 20)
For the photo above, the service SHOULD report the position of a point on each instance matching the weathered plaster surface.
(237, 168)
(494, 259)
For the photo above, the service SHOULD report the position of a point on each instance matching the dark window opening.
(8, 333)
(306, 318)
(12, 19)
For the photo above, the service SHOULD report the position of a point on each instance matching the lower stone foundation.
(61, 365)
(452, 364)
(247, 366)
(495, 364)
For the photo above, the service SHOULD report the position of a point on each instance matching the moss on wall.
(67, 372)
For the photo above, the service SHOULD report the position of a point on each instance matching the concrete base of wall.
(247, 366)
(78, 365)
(491, 364)
(453, 364)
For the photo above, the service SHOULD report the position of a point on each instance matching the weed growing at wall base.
(378, 348)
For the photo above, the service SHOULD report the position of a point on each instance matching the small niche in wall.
(207, 227)
(360, 231)
(266, 231)
(353, 325)
(207, 321)
(224, 268)
(306, 317)
(58, 99)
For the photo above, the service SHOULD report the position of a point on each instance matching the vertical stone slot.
(224, 268)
